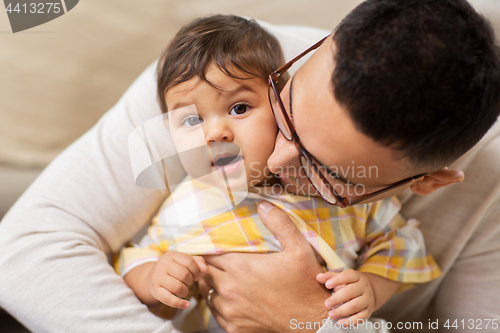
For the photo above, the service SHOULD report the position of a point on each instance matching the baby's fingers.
(202, 264)
(182, 274)
(344, 295)
(176, 287)
(188, 262)
(345, 277)
(357, 318)
(337, 288)
(329, 302)
(348, 309)
(167, 298)
(323, 277)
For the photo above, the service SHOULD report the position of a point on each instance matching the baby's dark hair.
(234, 44)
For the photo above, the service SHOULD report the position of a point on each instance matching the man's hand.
(267, 292)
(353, 296)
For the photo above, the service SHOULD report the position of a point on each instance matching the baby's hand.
(353, 296)
(172, 276)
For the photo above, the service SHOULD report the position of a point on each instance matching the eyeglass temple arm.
(354, 201)
(289, 64)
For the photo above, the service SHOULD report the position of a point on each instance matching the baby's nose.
(217, 130)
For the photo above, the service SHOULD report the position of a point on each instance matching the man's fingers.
(282, 227)
(214, 300)
(220, 319)
(213, 277)
(221, 260)
(204, 287)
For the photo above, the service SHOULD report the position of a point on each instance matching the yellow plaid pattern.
(372, 238)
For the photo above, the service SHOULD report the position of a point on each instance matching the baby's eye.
(191, 121)
(239, 109)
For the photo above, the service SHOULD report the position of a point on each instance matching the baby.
(212, 85)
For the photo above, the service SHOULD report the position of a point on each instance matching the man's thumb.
(281, 226)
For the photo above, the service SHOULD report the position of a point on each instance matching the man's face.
(326, 130)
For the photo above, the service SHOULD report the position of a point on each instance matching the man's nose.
(217, 130)
(284, 156)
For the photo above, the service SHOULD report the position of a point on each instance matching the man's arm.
(461, 227)
(53, 243)
(469, 290)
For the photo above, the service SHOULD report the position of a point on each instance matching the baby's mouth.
(226, 157)
(224, 160)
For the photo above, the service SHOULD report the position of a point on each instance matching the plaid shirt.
(198, 219)
(372, 238)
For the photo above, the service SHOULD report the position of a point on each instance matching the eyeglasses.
(326, 182)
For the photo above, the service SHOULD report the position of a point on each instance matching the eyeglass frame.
(313, 161)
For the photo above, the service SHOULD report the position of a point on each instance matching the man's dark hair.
(420, 76)
(239, 47)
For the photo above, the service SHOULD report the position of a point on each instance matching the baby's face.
(234, 120)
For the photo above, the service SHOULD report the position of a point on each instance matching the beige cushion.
(60, 77)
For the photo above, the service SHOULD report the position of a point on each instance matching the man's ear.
(432, 181)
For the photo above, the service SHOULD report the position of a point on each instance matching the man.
(53, 242)
(411, 87)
